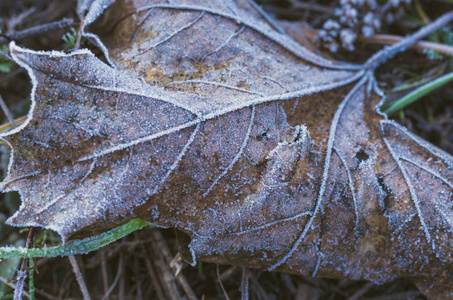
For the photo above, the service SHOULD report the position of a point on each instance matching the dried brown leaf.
(260, 152)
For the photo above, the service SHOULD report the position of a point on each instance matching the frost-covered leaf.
(260, 152)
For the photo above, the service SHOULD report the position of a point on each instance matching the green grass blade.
(76, 247)
(417, 94)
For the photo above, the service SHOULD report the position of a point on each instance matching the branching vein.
(238, 155)
(178, 159)
(351, 185)
(224, 44)
(280, 39)
(410, 186)
(223, 111)
(435, 174)
(325, 175)
(173, 34)
(270, 224)
(216, 84)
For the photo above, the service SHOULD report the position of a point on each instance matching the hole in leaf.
(386, 189)
(361, 155)
(262, 136)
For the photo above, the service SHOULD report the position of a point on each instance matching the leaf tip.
(23, 218)
(16, 52)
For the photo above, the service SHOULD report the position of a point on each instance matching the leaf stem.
(389, 52)
(417, 94)
(76, 247)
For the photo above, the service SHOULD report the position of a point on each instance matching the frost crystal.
(355, 17)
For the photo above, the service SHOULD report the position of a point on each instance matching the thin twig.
(117, 278)
(79, 277)
(79, 35)
(10, 75)
(286, 278)
(12, 285)
(389, 52)
(400, 295)
(121, 289)
(20, 280)
(186, 287)
(153, 276)
(36, 30)
(162, 260)
(64, 284)
(421, 13)
(257, 288)
(221, 284)
(6, 126)
(105, 277)
(167, 258)
(388, 39)
(16, 20)
(23, 272)
(21, 275)
(362, 291)
(5, 55)
(47, 295)
(311, 7)
(245, 284)
(228, 273)
(28, 245)
(7, 112)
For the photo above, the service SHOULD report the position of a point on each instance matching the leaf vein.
(330, 145)
(237, 156)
